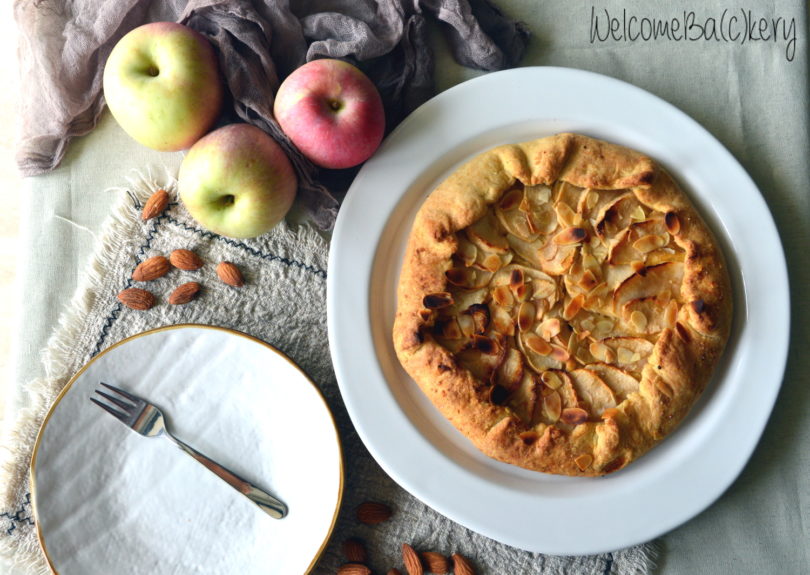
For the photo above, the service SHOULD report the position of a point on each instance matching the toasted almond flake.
(544, 289)
(526, 316)
(673, 223)
(565, 215)
(492, 263)
(485, 345)
(461, 277)
(588, 280)
(625, 356)
(550, 328)
(638, 214)
(549, 251)
(587, 200)
(602, 328)
(551, 379)
(516, 278)
(649, 243)
(502, 295)
(552, 406)
(599, 351)
(480, 314)
(638, 320)
(569, 236)
(574, 415)
(584, 461)
(521, 292)
(671, 313)
(437, 300)
(537, 344)
(560, 353)
(501, 321)
(573, 307)
(467, 252)
(590, 263)
(511, 199)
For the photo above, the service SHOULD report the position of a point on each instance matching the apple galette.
(562, 303)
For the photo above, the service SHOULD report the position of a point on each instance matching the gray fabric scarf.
(64, 45)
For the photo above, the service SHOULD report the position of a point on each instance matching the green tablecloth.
(738, 69)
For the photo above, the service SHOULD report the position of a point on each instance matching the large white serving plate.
(108, 500)
(420, 449)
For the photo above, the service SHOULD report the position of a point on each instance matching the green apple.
(237, 181)
(163, 86)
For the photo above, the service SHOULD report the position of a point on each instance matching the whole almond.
(155, 205)
(137, 298)
(230, 274)
(354, 550)
(184, 293)
(353, 569)
(461, 566)
(151, 269)
(413, 565)
(394, 571)
(185, 260)
(436, 562)
(373, 512)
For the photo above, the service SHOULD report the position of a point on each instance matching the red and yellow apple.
(237, 181)
(163, 86)
(332, 113)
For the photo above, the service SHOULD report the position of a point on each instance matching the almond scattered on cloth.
(137, 298)
(373, 512)
(413, 565)
(461, 566)
(186, 260)
(436, 562)
(151, 269)
(155, 205)
(228, 273)
(184, 293)
(355, 551)
(354, 569)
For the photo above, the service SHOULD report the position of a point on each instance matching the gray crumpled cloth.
(64, 45)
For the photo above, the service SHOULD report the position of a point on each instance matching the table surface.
(10, 184)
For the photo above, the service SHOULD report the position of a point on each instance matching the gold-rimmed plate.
(108, 500)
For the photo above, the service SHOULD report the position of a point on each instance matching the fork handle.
(266, 502)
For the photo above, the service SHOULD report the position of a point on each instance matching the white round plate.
(420, 449)
(108, 500)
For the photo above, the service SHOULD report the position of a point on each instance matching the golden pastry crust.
(562, 303)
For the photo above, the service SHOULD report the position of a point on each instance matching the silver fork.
(147, 419)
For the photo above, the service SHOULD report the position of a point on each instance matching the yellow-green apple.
(163, 86)
(237, 181)
(332, 112)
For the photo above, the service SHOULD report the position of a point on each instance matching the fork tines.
(127, 407)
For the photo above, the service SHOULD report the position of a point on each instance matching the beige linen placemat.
(283, 303)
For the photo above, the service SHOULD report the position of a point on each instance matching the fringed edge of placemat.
(20, 432)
